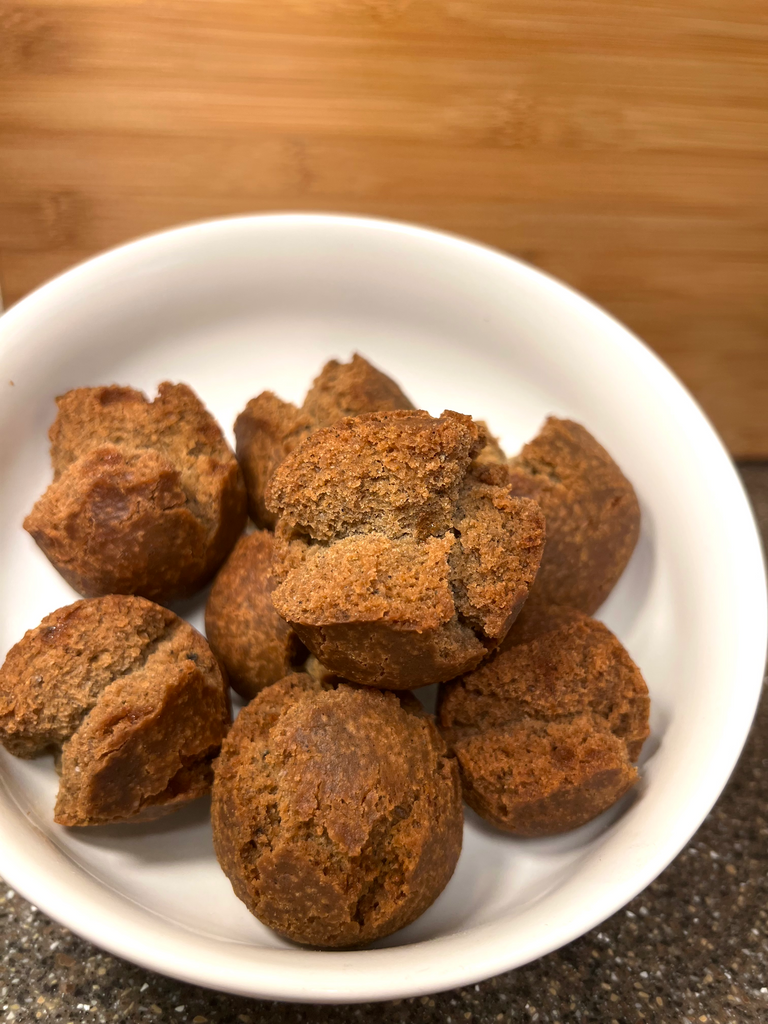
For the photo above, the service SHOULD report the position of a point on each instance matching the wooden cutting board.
(621, 146)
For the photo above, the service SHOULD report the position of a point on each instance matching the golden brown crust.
(48, 681)
(546, 731)
(336, 812)
(591, 512)
(351, 389)
(245, 632)
(375, 654)
(397, 566)
(266, 431)
(565, 773)
(128, 694)
(147, 498)
(269, 429)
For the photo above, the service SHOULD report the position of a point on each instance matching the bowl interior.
(236, 307)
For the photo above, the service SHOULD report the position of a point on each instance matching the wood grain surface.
(621, 146)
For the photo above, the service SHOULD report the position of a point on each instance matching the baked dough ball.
(146, 498)
(130, 699)
(397, 566)
(268, 429)
(245, 632)
(591, 512)
(336, 812)
(546, 732)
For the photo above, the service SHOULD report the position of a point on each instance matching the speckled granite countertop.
(692, 947)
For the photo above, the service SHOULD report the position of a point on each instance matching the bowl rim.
(336, 977)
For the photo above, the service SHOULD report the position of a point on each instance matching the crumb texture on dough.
(397, 566)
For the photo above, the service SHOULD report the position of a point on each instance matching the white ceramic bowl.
(237, 306)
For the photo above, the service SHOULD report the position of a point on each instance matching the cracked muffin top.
(268, 429)
(336, 811)
(546, 731)
(147, 497)
(127, 695)
(397, 566)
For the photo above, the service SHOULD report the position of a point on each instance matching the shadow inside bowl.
(184, 834)
(625, 604)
